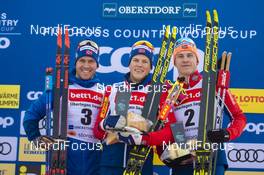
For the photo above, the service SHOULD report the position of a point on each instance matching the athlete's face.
(186, 63)
(85, 68)
(139, 68)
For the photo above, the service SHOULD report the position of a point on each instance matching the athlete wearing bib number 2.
(186, 59)
(85, 95)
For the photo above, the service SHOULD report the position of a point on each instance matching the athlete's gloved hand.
(44, 142)
(218, 135)
(112, 122)
(131, 138)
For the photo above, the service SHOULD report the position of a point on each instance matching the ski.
(213, 80)
(48, 90)
(139, 154)
(203, 160)
(56, 103)
(213, 73)
(60, 106)
(159, 75)
(64, 105)
(222, 84)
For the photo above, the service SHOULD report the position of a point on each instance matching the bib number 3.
(87, 118)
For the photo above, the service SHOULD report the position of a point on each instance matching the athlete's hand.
(131, 138)
(44, 142)
(218, 136)
(113, 122)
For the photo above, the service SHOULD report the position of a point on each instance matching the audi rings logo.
(5, 148)
(246, 155)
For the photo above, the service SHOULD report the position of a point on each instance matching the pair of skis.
(208, 116)
(57, 158)
(139, 154)
(223, 85)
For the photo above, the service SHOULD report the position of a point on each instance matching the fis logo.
(189, 10)
(109, 10)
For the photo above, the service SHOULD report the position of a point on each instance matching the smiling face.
(139, 68)
(85, 68)
(186, 63)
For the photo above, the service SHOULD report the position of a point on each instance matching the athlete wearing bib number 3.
(84, 102)
(186, 60)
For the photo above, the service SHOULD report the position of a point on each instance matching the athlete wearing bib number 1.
(115, 156)
(85, 94)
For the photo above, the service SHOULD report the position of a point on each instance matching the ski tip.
(59, 38)
(228, 60)
(167, 32)
(223, 60)
(229, 55)
(208, 16)
(215, 12)
(215, 15)
(174, 32)
(49, 70)
(67, 39)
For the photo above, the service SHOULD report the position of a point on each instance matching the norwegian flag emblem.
(89, 52)
(141, 50)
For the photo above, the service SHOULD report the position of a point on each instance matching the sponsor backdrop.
(28, 31)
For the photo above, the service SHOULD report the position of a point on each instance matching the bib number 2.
(189, 113)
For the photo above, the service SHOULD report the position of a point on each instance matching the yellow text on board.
(9, 96)
(250, 100)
